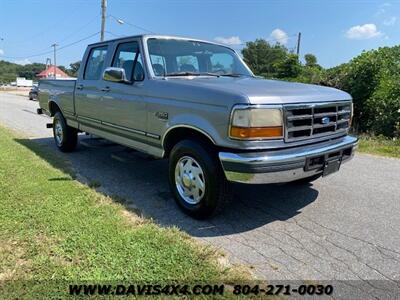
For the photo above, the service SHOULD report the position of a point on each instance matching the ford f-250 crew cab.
(198, 104)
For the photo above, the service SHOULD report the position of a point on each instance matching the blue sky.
(335, 31)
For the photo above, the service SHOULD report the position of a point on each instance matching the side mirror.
(115, 75)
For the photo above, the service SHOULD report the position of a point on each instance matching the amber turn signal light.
(256, 132)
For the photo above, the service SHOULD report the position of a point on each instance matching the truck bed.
(61, 90)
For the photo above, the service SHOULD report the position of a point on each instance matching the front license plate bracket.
(331, 166)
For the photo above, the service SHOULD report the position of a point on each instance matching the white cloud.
(363, 32)
(1, 52)
(390, 21)
(279, 36)
(385, 16)
(233, 40)
(382, 9)
(23, 62)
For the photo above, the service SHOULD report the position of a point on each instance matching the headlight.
(256, 123)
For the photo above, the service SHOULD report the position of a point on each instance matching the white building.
(22, 81)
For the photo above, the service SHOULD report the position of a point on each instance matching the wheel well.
(183, 133)
(53, 108)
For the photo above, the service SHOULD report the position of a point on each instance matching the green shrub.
(373, 79)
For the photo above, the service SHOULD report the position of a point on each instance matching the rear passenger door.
(88, 93)
(123, 106)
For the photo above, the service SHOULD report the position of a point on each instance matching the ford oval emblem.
(325, 120)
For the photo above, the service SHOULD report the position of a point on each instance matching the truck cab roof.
(159, 36)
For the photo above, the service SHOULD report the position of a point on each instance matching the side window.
(222, 62)
(95, 63)
(187, 63)
(129, 58)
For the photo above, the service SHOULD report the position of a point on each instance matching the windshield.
(173, 57)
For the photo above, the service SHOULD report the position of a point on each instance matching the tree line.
(9, 71)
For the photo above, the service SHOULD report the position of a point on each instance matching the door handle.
(79, 87)
(106, 89)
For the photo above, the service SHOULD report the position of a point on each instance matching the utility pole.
(298, 44)
(103, 18)
(55, 61)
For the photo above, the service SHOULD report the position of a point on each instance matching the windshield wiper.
(232, 75)
(191, 74)
(204, 74)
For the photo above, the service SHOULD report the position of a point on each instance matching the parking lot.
(345, 226)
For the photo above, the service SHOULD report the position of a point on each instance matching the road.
(343, 227)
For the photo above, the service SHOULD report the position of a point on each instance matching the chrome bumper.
(287, 164)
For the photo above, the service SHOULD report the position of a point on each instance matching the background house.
(50, 71)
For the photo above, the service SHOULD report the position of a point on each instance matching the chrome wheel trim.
(58, 132)
(190, 180)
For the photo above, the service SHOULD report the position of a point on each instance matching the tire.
(190, 164)
(306, 180)
(66, 137)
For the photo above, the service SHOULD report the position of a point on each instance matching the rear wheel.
(66, 137)
(196, 179)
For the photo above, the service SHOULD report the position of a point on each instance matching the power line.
(51, 51)
(28, 56)
(121, 21)
(46, 30)
(79, 29)
(76, 42)
(62, 40)
(113, 34)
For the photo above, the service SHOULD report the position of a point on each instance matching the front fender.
(197, 123)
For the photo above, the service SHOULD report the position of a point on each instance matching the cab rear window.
(95, 63)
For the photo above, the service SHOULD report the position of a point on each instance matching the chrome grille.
(307, 121)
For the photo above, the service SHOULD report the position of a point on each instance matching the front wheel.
(66, 137)
(196, 179)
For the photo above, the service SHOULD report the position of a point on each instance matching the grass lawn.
(53, 227)
(379, 146)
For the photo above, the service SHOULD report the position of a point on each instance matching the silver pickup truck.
(198, 104)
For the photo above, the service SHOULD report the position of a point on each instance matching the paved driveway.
(345, 226)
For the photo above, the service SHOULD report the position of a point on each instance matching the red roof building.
(49, 73)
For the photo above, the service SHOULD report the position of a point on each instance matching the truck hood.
(262, 91)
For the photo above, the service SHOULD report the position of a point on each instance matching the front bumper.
(286, 165)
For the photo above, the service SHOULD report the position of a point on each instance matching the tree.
(311, 60)
(30, 71)
(74, 69)
(261, 56)
(62, 68)
(288, 67)
(8, 71)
